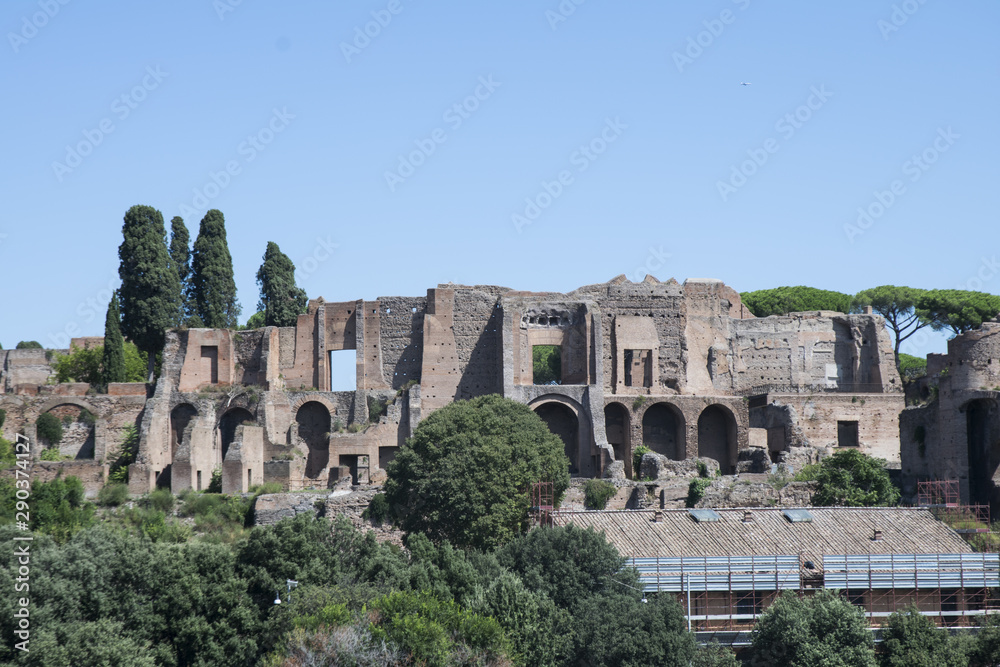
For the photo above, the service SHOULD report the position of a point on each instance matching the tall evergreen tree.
(280, 300)
(150, 288)
(114, 344)
(212, 283)
(180, 255)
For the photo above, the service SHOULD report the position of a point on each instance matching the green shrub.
(637, 459)
(3, 417)
(160, 499)
(59, 508)
(215, 486)
(377, 510)
(49, 428)
(51, 454)
(7, 454)
(266, 487)
(29, 345)
(377, 408)
(696, 491)
(702, 469)
(112, 495)
(597, 493)
(126, 456)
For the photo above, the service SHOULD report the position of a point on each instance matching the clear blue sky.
(183, 86)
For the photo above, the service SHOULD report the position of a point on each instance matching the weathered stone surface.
(656, 466)
(615, 470)
(753, 460)
(733, 492)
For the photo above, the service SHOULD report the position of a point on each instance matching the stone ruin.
(683, 369)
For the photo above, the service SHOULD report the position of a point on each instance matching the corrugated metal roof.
(833, 530)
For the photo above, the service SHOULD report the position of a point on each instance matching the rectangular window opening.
(343, 370)
(199, 481)
(547, 364)
(847, 434)
(210, 363)
(638, 368)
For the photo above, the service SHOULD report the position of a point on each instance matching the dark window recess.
(847, 434)
(638, 368)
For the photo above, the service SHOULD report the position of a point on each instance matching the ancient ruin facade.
(955, 433)
(683, 369)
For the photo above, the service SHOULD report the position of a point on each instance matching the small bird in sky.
(745, 83)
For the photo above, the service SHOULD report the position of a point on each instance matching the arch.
(313, 427)
(717, 437)
(67, 400)
(982, 434)
(562, 415)
(79, 438)
(618, 429)
(180, 417)
(663, 431)
(227, 426)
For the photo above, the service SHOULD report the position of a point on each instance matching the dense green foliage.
(820, 629)
(911, 367)
(464, 475)
(150, 291)
(784, 300)
(212, 284)
(912, 640)
(957, 310)
(897, 305)
(850, 478)
(28, 345)
(113, 354)
(597, 493)
(696, 491)
(281, 301)
(180, 257)
(637, 455)
(118, 470)
(87, 365)
(547, 364)
(49, 428)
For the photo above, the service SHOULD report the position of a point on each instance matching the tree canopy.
(180, 256)
(281, 301)
(114, 345)
(912, 640)
(957, 310)
(464, 475)
(819, 629)
(850, 478)
(212, 284)
(897, 305)
(150, 291)
(784, 300)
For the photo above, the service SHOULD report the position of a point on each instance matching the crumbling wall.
(247, 349)
(26, 368)
(477, 343)
(402, 331)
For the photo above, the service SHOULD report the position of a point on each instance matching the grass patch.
(112, 495)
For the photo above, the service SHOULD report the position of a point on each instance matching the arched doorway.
(982, 439)
(313, 425)
(228, 424)
(617, 427)
(180, 417)
(562, 421)
(661, 431)
(717, 437)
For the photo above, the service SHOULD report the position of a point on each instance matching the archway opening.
(983, 441)
(563, 422)
(228, 424)
(180, 417)
(617, 427)
(717, 437)
(661, 431)
(313, 425)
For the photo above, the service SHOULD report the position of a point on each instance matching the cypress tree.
(280, 300)
(180, 255)
(212, 284)
(150, 290)
(114, 344)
